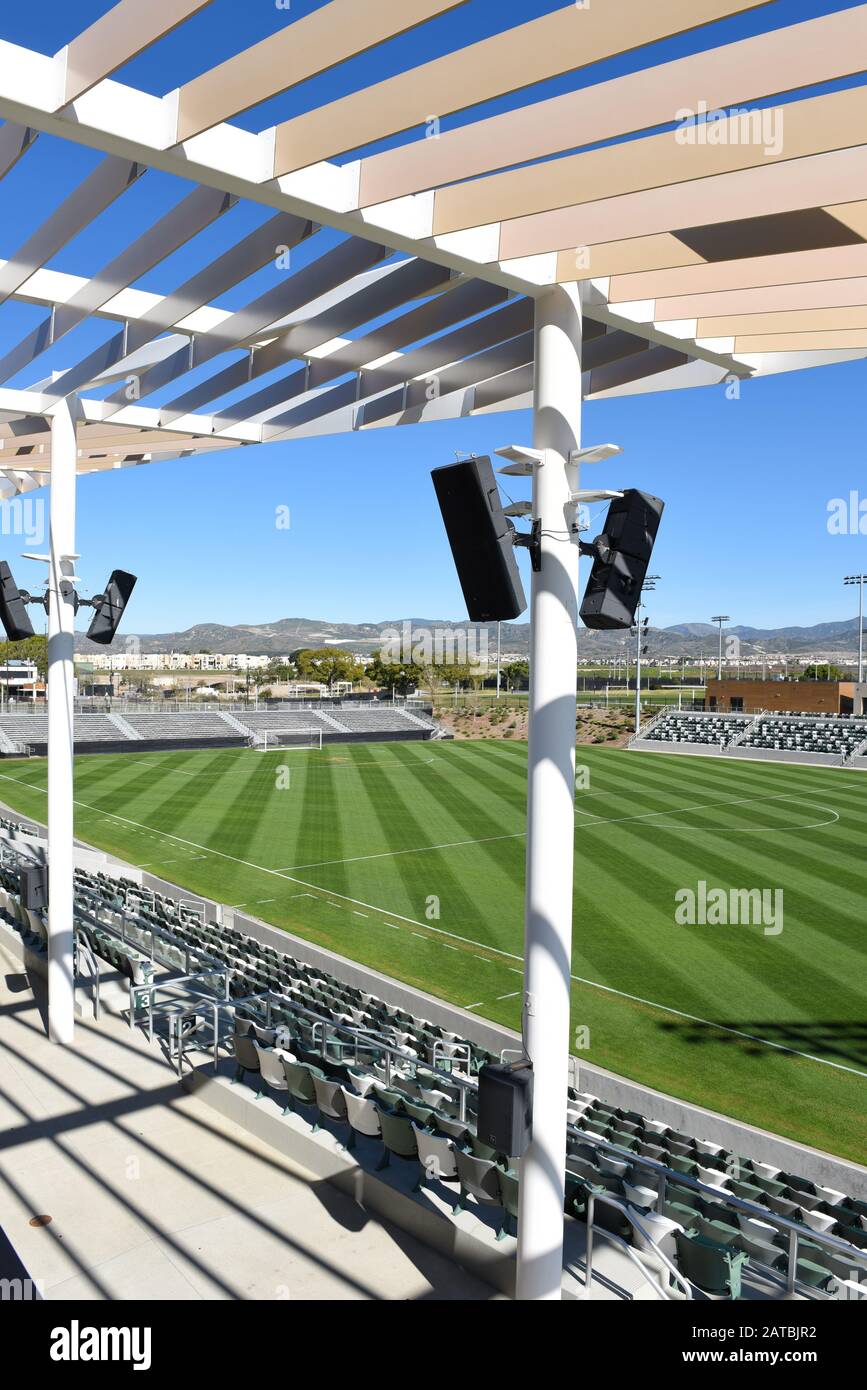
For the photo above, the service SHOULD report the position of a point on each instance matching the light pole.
(720, 618)
(647, 588)
(860, 580)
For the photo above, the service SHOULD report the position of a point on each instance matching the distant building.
(19, 681)
(798, 697)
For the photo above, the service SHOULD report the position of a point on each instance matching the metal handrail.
(795, 1229)
(592, 1198)
(89, 957)
(357, 1036)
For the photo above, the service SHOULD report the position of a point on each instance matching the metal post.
(638, 671)
(498, 661)
(61, 641)
(552, 706)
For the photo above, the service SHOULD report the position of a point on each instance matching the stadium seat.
(398, 1137)
(271, 1071)
(363, 1116)
(713, 1267)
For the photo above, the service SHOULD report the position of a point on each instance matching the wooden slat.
(624, 257)
(118, 36)
(802, 267)
(787, 321)
(833, 122)
(816, 294)
(309, 46)
(800, 55)
(819, 181)
(827, 341)
(566, 40)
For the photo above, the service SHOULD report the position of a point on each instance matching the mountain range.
(822, 641)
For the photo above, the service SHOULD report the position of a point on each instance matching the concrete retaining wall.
(761, 755)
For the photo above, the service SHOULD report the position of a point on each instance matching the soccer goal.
(270, 739)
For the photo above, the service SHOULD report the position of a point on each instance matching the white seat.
(818, 1220)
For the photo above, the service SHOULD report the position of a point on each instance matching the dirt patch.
(613, 728)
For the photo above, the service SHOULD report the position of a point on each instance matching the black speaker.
(505, 1118)
(34, 887)
(481, 540)
(108, 614)
(13, 610)
(623, 555)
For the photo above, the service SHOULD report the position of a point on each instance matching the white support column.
(551, 790)
(61, 639)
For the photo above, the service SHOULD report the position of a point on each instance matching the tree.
(402, 676)
(516, 675)
(33, 649)
(822, 671)
(328, 664)
(281, 670)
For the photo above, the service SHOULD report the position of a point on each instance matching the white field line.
(601, 820)
(455, 936)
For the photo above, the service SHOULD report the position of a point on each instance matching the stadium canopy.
(729, 246)
(504, 224)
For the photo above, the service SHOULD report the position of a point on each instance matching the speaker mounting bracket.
(595, 453)
(531, 541)
(521, 462)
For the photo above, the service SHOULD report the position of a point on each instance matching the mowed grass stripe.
(804, 996)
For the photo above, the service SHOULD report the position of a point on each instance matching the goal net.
(269, 739)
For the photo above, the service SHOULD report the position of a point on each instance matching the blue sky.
(747, 482)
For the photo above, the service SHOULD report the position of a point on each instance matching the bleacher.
(799, 737)
(140, 731)
(696, 728)
(393, 1085)
(820, 734)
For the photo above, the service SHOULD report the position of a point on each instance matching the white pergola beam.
(118, 36)
(308, 46)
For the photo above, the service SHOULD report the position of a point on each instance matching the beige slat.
(623, 257)
(853, 215)
(308, 46)
(802, 267)
(833, 122)
(787, 321)
(768, 299)
(798, 55)
(819, 181)
(568, 39)
(827, 341)
(118, 36)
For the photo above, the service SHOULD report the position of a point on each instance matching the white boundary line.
(494, 950)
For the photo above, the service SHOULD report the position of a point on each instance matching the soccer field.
(410, 858)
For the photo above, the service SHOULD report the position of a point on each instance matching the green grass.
(367, 840)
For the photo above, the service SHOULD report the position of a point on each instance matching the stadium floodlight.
(720, 618)
(860, 580)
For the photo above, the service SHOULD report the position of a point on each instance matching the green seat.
(299, 1082)
(398, 1137)
(714, 1268)
(508, 1181)
(720, 1231)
